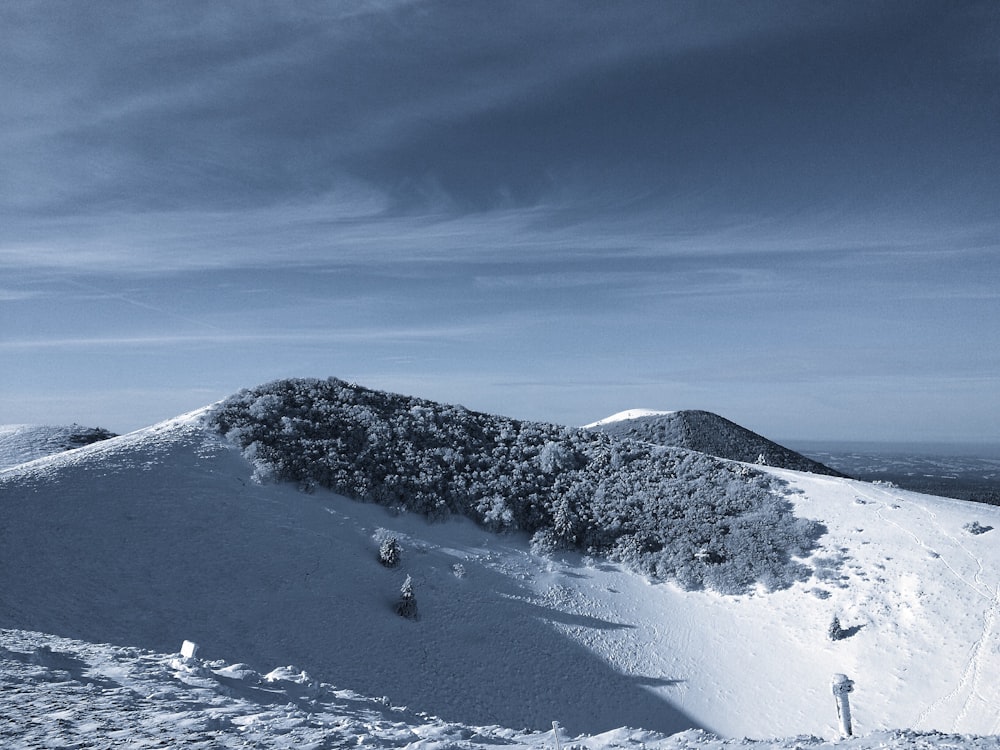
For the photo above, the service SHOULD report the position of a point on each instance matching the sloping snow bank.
(161, 535)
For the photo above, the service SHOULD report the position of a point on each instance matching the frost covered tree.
(407, 604)
(389, 552)
(835, 631)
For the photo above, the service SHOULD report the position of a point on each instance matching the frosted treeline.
(670, 513)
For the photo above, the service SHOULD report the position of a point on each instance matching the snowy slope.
(160, 535)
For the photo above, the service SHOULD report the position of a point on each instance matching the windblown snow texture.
(670, 513)
(709, 433)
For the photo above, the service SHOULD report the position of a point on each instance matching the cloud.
(231, 339)
(152, 106)
(16, 295)
(533, 189)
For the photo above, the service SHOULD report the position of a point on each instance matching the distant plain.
(960, 470)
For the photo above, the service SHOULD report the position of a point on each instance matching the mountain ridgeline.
(671, 513)
(709, 433)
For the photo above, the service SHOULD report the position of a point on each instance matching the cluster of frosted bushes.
(670, 513)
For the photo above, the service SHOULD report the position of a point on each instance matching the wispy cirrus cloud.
(241, 105)
(303, 337)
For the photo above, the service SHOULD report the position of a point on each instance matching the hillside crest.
(706, 432)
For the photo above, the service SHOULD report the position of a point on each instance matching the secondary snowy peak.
(625, 415)
(708, 433)
(26, 442)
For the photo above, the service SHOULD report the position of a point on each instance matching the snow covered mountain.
(708, 433)
(162, 535)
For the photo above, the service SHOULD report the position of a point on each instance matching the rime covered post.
(555, 734)
(841, 687)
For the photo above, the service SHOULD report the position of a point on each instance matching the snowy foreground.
(151, 538)
(64, 693)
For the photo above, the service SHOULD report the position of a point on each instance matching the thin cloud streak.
(303, 235)
(380, 335)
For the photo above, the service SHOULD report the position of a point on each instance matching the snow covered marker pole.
(555, 734)
(841, 687)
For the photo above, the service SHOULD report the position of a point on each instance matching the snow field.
(60, 692)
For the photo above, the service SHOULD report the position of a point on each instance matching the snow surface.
(64, 693)
(158, 536)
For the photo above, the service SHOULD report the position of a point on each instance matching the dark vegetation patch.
(670, 513)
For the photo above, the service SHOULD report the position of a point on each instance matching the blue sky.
(783, 212)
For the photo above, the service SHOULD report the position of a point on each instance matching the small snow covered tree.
(839, 633)
(407, 604)
(389, 552)
(835, 631)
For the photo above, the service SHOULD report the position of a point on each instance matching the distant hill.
(708, 433)
(26, 442)
(672, 513)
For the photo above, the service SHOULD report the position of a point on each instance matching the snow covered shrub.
(543, 542)
(407, 604)
(668, 512)
(389, 552)
(976, 528)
